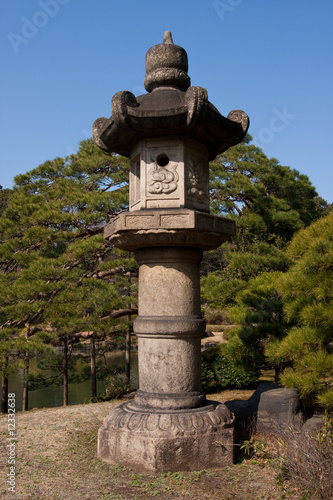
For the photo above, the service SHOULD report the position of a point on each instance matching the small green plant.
(247, 446)
(255, 447)
(137, 483)
(325, 434)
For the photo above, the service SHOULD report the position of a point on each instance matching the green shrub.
(222, 371)
(207, 378)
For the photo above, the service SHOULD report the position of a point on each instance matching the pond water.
(77, 393)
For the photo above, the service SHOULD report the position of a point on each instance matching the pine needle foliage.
(269, 203)
(258, 312)
(307, 292)
(58, 276)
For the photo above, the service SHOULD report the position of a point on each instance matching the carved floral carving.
(163, 179)
(205, 421)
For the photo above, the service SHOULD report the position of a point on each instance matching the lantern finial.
(167, 37)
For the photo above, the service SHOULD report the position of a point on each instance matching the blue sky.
(63, 60)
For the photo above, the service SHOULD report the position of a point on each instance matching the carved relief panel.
(165, 174)
(197, 180)
(169, 173)
(163, 177)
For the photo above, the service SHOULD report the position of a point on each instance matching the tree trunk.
(93, 367)
(25, 398)
(4, 388)
(65, 371)
(278, 370)
(128, 353)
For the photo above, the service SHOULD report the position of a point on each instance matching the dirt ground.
(55, 456)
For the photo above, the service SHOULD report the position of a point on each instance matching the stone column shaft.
(169, 328)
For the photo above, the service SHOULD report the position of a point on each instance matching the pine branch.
(120, 313)
(110, 272)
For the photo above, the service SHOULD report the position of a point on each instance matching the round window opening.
(162, 160)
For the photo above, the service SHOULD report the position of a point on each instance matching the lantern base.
(157, 441)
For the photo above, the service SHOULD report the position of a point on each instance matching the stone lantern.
(169, 134)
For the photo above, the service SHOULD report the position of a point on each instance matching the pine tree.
(259, 314)
(307, 292)
(269, 203)
(4, 199)
(59, 276)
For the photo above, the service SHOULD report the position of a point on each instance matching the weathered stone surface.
(184, 400)
(173, 227)
(277, 410)
(313, 424)
(169, 282)
(167, 441)
(169, 328)
(166, 64)
(271, 409)
(169, 372)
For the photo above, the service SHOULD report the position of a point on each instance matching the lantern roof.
(171, 107)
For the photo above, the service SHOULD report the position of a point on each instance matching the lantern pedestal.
(156, 441)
